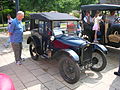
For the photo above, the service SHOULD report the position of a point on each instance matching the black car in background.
(109, 34)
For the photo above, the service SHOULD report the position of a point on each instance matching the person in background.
(96, 26)
(16, 36)
(111, 18)
(88, 24)
(87, 19)
(9, 24)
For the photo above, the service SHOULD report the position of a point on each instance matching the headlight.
(52, 38)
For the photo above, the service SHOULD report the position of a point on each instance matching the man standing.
(9, 24)
(88, 24)
(87, 19)
(111, 18)
(16, 36)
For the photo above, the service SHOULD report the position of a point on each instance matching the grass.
(1, 30)
(1, 25)
(5, 25)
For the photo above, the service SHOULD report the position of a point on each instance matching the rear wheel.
(69, 69)
(99, 61)
(33, 51)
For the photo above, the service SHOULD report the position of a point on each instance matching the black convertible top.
(53, 16)
(100, 7)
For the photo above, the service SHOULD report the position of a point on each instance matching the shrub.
(27, 14)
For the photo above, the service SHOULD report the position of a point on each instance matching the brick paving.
(44, 74)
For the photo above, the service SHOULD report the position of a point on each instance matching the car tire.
(69, 70)
(96, 61)
(33, 51)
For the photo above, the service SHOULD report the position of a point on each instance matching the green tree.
(7, 7)
(85, 2)
(65, 5)
(54, 5)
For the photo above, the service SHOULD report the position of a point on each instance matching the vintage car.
(54, 36)
(109, 34)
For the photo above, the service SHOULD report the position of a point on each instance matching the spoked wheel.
(69, 69)
(99, 61)
(33, 51)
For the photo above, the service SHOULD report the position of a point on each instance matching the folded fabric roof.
(53, 16)
(100, 7)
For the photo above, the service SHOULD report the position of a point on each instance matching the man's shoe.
(117, 73)
(18, 63)
(6, 45)
(22, 59)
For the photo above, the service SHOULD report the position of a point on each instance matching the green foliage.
(85, 2)
(54, 5)
(67, 5)
(1, 30)
(48, 5)
(6, 11)
(75, 13)
(30, 6)
(27, 14)
(7, 7)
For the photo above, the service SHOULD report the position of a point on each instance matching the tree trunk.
(2, 19)
(2, 14)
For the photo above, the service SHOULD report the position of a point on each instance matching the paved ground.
(44, 74)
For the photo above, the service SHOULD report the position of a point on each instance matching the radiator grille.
(87, 52)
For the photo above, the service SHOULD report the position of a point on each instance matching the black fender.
(68, 52)
(100, 48)
(37, 43)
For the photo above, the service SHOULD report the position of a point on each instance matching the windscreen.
(65, 27)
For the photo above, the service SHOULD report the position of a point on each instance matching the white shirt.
(86, 18)
(9, 23)
(97, 19)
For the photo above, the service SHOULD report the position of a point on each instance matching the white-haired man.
(16, 36)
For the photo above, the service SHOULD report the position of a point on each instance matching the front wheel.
(33, 51)
(99, 61)
(69, 70)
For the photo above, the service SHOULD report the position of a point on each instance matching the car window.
(57, 31)
(36, 23)
(72, 27)
(41, 26)
(65, 27)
